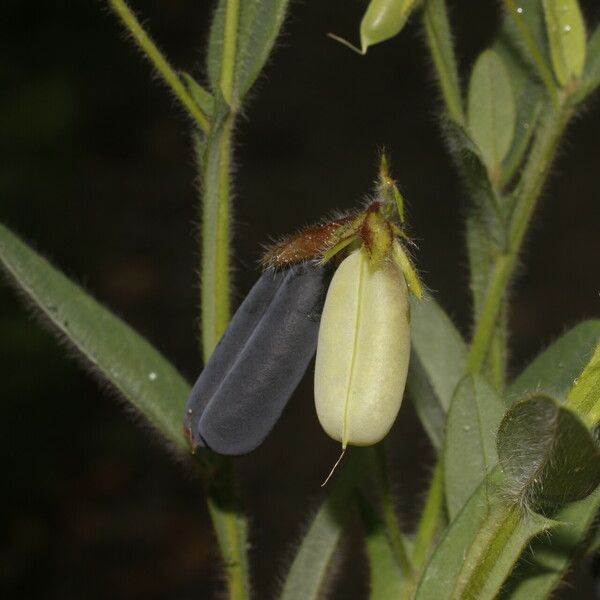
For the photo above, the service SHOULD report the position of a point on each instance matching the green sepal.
(410, 273)
(201, 96)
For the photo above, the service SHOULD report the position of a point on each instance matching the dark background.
(97, 170)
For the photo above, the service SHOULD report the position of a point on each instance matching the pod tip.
(335, 466)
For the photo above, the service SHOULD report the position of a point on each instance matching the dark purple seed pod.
(251, 375)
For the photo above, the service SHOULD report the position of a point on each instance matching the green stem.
(430, 517)
(439, 40)
(224, 507)
(230, 528)
(215, 268)
(532, 46)
(496, 364)
(390, 518)
(532, 182)
(216, 303)
(232, 17)
(161, 64)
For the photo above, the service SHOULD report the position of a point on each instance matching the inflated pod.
(383, 20)
(363, 350)
(251, 375)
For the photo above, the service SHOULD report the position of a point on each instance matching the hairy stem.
(430, 517)
(531, 185)
(496, 362)
(439, 39)
(215, 267)
(225, 509)
(232, 17)
(160, 63)
(230, 527)
(390, 518)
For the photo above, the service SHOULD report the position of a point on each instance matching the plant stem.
(496, 363)
(215, 268)
(229, 49)
(430, 517)
(532, 46)
(530, 188)
(230, 528)
(225, 509)
(439, 40)
(161, 64)
(390, 518)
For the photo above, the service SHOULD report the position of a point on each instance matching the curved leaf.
(470, 445)
(566, 37)
(481, 546)
(385, 575)
(258, 24)
(310, 571)
(584, 398)
(491, 109)
(438, 360)
(591, 73)
(555, 369)
(548, 558)
(110, 347)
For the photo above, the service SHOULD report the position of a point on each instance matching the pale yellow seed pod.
(363, 350)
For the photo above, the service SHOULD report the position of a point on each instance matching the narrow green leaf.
(383, 20)
(566, 37)
(532, 15)
(200, 96)
(259, 23)
(528, 100)
(486, 231)
(528, 115)
(491, 110)
(160, 63)
(110, 347)
(524, 32)
(437, 363)
(470, 445)
(556, 368)
(385, 576)
(481, 546)
(584, 398)
(214, 55)
(548, 455)
(485, 203)
(439, 38)
(310, 571)
(481, 255)
(548, 558)
(591, 74)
